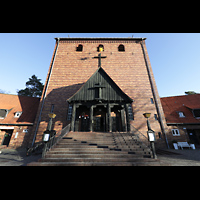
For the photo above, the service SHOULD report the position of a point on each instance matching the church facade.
(102, 85)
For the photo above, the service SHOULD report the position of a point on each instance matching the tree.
(33, 88)
(190, 92)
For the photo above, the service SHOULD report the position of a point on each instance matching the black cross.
(99, 88)
(100, 57)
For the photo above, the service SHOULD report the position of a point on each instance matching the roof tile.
(27, 105)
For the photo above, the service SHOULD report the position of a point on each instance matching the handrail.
(54, 140)
(140, 136)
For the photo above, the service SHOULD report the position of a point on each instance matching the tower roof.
(100, 38)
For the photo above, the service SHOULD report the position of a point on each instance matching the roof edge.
(99, 38)
(16, 124)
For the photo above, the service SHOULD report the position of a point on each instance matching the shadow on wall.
(58, 99)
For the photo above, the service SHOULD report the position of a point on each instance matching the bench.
(183, 144)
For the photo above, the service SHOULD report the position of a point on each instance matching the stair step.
(92, 155)
(94, 164)
(96, 160)
(98, 149)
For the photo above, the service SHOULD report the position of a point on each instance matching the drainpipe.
(44, 96)
(154, 95)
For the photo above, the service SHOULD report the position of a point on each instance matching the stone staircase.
(98, 149)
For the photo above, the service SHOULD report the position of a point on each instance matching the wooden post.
(91, 119)
(73, 117)
(109, 118)
(127, 118)
(124, 127)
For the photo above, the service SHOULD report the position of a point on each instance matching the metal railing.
(53, 140)
(141, 137)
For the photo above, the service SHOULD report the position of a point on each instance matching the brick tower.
(100, 84)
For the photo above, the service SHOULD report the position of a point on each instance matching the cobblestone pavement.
(187, 157)
(10, 157)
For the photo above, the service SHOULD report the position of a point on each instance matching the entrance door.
(100, 119)
(192, 136)
(99, 124)
(7, 137)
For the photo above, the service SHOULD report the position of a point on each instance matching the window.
(69, 115)
(3, 113)
(130, 112)
(156, 117)
(152, 102)
(181, 114)
(79, 48)
(100, 46)
(175, 132)
(121, 47)
(196, 113)
(17, 114)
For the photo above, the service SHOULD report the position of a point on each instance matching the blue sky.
(174, 58)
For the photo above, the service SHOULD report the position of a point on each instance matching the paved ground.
(11, 157)
(186, 158)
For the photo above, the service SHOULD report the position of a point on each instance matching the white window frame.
(181, 114)
(17, 114)
(175, 132)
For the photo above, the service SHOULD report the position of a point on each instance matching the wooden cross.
(100, 57)
(99, 88)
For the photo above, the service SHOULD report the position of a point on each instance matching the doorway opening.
(7, 137)
(102, 120)
(82, 121)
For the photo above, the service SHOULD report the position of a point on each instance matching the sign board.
(151, 136)
(46, 137)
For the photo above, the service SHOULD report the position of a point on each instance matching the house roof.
(173, 105)
(14, 103)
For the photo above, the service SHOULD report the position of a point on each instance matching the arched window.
(121, 47)
(79, 48)
(100, 46)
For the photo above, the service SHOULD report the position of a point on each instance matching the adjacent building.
(17, 115)
(182, 115)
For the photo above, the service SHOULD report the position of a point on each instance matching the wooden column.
(127, 118)
(91, 118)
(124, 127)
(73, 117)
(109, 118)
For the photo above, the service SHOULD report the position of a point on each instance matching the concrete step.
(92, 155)
(98, 149)
(86, 152)
(96, 160)
(156, 163)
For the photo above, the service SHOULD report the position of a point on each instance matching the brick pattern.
(17, 140)
(72, 69)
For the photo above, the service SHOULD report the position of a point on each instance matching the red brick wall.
(21, 140)
(72, 69)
